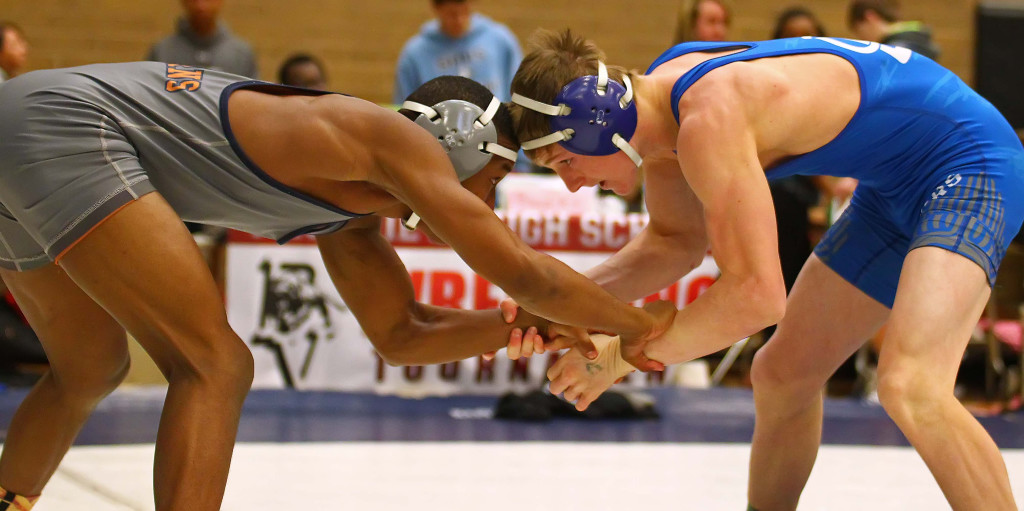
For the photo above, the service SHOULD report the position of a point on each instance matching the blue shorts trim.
(964, 212)
(963, 234)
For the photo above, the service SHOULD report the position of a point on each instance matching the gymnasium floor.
(325, 451)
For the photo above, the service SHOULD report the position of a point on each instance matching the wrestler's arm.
(672, 244)
(377, 289)
(717, 151)
(718, 156)
(420, 176)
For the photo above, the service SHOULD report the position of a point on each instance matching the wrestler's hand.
(509, 309)
(550, 337)
(632, 349)
(581, 380)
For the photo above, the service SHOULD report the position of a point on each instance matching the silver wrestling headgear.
(466, 134)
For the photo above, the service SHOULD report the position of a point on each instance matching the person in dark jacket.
(879, 21)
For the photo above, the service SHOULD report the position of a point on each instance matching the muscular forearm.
(713, 322)
(646, 265)
(440, 335)
(716, 320)
(563, 296)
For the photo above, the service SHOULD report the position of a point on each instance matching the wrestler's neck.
(656, 127)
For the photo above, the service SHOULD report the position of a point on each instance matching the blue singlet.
(938, 165)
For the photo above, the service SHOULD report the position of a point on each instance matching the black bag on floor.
(543, 406)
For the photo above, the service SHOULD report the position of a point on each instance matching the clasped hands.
(594, 361)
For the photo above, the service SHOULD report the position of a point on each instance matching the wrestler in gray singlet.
(77, 144)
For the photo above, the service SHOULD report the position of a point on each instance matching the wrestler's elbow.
(396, 352)
(771, 300)
(765, 297)
(397, 359)
(395, 344)
(389, 349)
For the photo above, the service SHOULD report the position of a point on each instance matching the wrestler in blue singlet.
(938, 165)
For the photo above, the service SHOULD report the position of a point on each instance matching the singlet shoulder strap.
(687, 79)
(694, 47)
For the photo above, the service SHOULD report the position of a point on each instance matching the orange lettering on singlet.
(182, 74)
(187, 86)
(182, 78)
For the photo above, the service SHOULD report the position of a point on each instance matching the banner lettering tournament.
(281, 302)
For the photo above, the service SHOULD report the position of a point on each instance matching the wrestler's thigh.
(826, 320)
(77, 334)
(142, 265)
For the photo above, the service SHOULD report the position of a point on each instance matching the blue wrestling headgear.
(592, 115)
(466, 134)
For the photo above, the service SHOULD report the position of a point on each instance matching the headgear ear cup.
(411, 222)
(592, 115)
(466, 134)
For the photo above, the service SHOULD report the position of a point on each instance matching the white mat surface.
(504, 476)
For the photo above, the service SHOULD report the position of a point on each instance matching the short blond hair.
(553, 60)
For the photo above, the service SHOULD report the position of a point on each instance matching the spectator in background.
(464, 43)
(203, 40)
(703, 20)
(13, 50)
(303, 70)
(797, 21)
(879, 20)
(459, 42)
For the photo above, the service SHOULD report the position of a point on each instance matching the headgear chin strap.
(466, 134)
(592, 115)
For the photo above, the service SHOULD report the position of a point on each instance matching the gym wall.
(360, 40)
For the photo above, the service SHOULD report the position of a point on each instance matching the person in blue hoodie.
(459, 42)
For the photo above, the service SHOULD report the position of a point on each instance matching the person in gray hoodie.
(202, 40)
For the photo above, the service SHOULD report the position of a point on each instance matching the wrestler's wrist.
(525, 320)
(642, 326)
(619, 367)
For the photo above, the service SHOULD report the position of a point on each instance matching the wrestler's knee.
(772, 368)
(908, 394)
(92, 380)
(764, 371)
(218, 358)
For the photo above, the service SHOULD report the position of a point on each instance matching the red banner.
(589, 232)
